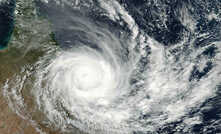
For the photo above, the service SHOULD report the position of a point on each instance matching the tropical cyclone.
(107, 75)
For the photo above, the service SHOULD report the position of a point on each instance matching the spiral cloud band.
(110, 82)
(83, 82)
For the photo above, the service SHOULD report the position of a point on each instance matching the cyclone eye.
(87, 77)
(113, 66)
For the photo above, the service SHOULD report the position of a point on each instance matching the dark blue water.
(147, 16)
(168, 30)
(6, 22)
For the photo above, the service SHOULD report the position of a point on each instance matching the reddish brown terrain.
(10, 122)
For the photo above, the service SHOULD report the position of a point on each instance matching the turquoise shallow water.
(6, 22)
(117, 67)
(4, 42)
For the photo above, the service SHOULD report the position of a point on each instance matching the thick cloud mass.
(115, 70)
